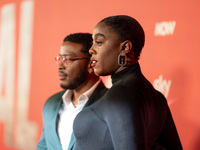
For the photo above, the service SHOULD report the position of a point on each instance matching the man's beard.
(82, 76)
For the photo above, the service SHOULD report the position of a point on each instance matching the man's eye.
(69, 58)
(66, 58)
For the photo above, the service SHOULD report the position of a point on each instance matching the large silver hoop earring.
(122, 59)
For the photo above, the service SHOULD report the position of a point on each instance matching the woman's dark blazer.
(132, 115)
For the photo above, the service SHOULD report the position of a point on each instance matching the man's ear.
(126, 46)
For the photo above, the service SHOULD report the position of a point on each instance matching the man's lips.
(62, 75)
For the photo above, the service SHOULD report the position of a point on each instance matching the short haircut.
(85, 39)
(128, 29)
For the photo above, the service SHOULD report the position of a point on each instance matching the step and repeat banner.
(31, 33)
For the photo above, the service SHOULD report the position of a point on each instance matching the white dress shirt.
(68, 112)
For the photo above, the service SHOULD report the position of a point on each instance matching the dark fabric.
(99, 92)
(132, 115)
(49, 138)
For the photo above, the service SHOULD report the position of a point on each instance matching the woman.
(132, 115)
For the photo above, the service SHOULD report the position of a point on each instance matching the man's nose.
(61, 66)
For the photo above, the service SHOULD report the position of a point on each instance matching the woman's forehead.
(103, 30)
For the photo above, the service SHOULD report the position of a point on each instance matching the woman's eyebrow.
(99, 34)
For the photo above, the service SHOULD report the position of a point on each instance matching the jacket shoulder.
(52, 100)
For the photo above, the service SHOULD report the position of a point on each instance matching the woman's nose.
(91, 50)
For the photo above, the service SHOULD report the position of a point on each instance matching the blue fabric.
(72, 142)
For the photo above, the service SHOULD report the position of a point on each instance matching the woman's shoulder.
(122, 89)
(121, 95)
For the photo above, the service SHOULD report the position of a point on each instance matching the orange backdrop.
(31, 33)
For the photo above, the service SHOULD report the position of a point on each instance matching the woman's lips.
(93, 62)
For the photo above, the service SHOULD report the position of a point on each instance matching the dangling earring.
(90, 70)
(122, 59)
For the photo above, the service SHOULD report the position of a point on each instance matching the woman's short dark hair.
(128, 29)
(85, 39)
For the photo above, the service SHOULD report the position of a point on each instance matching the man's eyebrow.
(99, 34)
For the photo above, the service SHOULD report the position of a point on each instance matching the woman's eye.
(98, 42)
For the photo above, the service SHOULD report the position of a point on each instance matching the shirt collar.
(83, 97)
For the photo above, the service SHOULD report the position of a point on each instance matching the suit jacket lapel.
(56, 117)
(72, 142)
(54, 121)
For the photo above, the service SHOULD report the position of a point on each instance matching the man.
(81, 88)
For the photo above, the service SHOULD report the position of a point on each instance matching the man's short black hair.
(85, 39)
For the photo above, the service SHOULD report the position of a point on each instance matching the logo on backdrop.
(162, 85)
(164, 28)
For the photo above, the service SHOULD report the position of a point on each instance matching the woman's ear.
(126, 46)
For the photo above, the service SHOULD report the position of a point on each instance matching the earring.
(90, 70)
(122, 59)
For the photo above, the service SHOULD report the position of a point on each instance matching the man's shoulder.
(56, 95)
(55, 98)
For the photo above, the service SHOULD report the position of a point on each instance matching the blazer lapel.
(72, 142)
(56, 118)
(54, 121)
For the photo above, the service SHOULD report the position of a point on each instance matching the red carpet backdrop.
(31, 33)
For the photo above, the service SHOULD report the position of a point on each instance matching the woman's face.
(105, 50)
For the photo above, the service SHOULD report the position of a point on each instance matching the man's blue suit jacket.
(49, 139)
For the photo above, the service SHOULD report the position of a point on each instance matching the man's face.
(75, 73)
